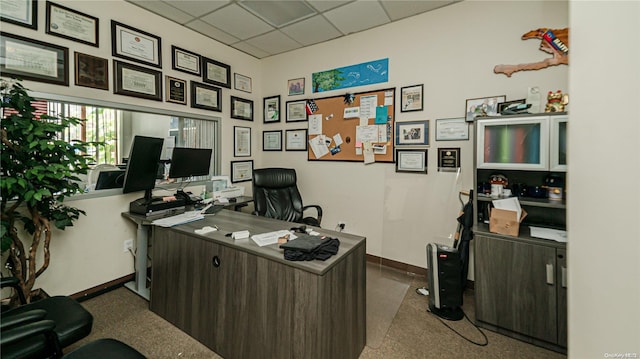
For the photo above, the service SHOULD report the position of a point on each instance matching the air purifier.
(445, 288)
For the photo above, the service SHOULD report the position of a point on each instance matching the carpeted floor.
(398, 326)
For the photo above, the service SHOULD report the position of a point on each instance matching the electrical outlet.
(128, 245)
(342, 224)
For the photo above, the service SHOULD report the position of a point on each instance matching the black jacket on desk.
(308, 248)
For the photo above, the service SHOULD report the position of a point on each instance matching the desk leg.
(139, 286)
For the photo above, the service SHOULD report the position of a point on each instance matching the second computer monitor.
(189, 162)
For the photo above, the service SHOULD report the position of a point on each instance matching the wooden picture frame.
(271, 109)
(296, 140)
(412, 133)
(241, 82)
(14, 50)
(215, 72)
(296, 111)
(411, 160)
(23, 13)
(135, 45)
(482, 106)
(241, 109)
(136, 81)
(272, 140)
(295, 86)
(186, 61)
(71, 24)
(91, 71)
(206, 97)
(241, 171)
(176, 90)
(241, 141)
(411, 98)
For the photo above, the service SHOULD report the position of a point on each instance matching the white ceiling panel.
(324, 5)
(399, 9)
(197, 8)
(357, 16)
(274, 42)
(210, 31)
(278, 13)
(255, 52)
(237, 21)
(312, 31)
(163, 9)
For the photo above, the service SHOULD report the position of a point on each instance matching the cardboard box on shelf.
(505, 222)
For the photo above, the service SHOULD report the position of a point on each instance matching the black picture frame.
(272, 140)
(412, 160)
(31, 15)
(72, 20)
(297, 111)
(176, 90)
(119, 36)
(123, 85)
(216, 72)
(186, 61)
(241, 148)
(296, 140)
(412, 98)
(271, 109)
(59, 77)
(91, 71)
(202, 96)
(241, 109)
(503, 105)
(241, 171)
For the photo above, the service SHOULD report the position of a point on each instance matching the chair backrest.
(276, 195)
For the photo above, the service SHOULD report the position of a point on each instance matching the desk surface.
(231, 221)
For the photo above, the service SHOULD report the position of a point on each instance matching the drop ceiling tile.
(311, 31)
(274, 42)
(246, 48)
(237, 21)
(163, 9)
(210, 31)
(197, 8)
(399, 9)
(277, 12)
(324, 5)
(357, 16)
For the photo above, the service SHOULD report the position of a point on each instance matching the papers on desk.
(265, 239)
(548, 233)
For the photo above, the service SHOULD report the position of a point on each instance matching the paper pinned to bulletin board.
(359, 131)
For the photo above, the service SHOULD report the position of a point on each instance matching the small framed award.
(448, 159)
(91, 71)
(176, 90)
(411, 160)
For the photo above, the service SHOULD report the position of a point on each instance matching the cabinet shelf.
(530, 201)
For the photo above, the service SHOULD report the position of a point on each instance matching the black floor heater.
(448, 267)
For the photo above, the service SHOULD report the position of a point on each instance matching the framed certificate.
(296, 140)
(452, 129)
(414, 160)
(20, 12)
(241, 141)
(241, 109)
(241, 171)
(176, 90)
(135, 45)
(215, 72)
(296, 111)
(206, 97)
(71, 24)
(185, 61)
(242, 82)
(33, 60)
(137, 81)
(272, 140)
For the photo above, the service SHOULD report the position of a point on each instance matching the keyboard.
(182, 218)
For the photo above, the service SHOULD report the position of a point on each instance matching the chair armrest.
(318, 209)
(14, 335)
(14, 283)
(11, 320)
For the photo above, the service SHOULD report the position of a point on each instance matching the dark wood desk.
(246, 301)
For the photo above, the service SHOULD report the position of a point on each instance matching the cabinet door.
(515, 286)
(562, 296)
(558, 150)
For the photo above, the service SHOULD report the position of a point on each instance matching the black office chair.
(71, 321)
(276, 195)
(30, 329)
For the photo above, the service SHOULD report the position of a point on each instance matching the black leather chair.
(71, 323)
(276, 195)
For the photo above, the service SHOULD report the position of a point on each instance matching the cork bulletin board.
(343, 131)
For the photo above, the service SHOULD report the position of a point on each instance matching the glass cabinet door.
(558, 150)
(518, 143)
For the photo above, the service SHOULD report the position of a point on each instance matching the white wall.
(603, 212)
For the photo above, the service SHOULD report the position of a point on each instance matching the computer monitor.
(190, 162)
(110, 179)
(142, 165)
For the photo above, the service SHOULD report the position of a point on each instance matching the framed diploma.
(448, 159)
(296, 111)
(91, 71)
(176, 90)
(452, 129)
(71, 24)
(33, 60)
(20, 12)
(137, 81)
(272, 140)
(271, 109)
(242, 82)
(215, 72)
(241, 171)
(414, 160)
(206, 97)
(241, 109)
(135, 45)
(185, 61)
(241, 141)
(296, 140)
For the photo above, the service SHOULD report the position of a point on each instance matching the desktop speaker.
(445, 288)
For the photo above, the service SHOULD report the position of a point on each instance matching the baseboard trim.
(103, 288)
